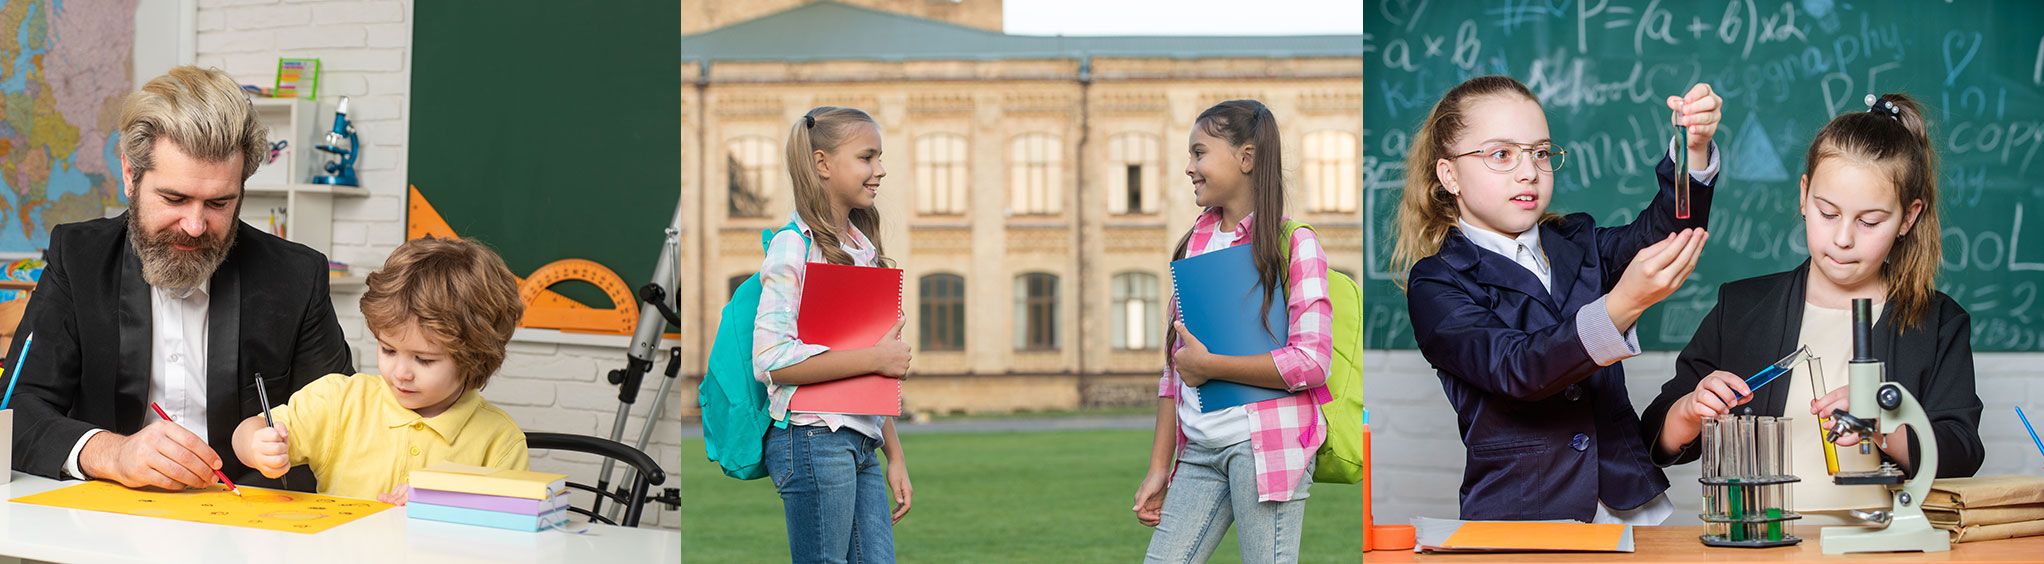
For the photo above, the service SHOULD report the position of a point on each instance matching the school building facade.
(1035, 185)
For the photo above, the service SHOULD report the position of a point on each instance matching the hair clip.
(1876, 105)
(808, 121)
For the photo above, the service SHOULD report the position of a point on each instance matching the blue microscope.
(340, 168)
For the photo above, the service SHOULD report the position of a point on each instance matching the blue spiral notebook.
(1219, 298)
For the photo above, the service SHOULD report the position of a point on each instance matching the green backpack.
(734, 404)
(1340, 460)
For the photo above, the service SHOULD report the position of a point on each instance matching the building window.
(942, 312)
(749, 167)
(1133, 199)
(1036, 312)
(1131, 174)
(1138, 321)
(1034, 187)
(940, 174)
(1333, 183)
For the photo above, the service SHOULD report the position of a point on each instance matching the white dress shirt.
(177, 363)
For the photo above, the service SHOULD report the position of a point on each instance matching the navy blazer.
(1548, 431)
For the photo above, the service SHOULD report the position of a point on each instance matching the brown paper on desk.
(1985, 491)
(1975, 533)
(1953, 518)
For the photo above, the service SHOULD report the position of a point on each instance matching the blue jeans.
(833, 494)
(1214, 487)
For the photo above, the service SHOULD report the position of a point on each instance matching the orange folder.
(1537, 536)
(848, 307)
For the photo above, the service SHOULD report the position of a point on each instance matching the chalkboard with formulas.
(1602, 68)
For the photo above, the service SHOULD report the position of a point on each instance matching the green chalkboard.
(550, 130)
(1601, 68)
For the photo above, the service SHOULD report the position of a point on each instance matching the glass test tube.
(1770, 466)
(1815, 368)
(1785, 493)
(1713, 494)
(1786, 499)
(1750, 426)
(1742, 453)
(1682, 173)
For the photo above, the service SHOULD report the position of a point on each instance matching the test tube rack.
(1746, 477)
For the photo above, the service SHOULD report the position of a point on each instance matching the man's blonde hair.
(202, 111)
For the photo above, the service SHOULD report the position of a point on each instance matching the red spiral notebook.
(848, 307)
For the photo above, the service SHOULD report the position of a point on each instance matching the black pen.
(263, 395)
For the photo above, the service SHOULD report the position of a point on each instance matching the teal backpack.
(734, 404)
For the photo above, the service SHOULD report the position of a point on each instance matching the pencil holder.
(7, 444)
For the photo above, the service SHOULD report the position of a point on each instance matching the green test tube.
(1738, 497)
(1774, 525)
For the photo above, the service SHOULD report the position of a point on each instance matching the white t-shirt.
(1220, 428)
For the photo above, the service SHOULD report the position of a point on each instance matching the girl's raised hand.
(1701, 109)
(1653, 274)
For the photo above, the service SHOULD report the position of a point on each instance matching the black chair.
(634, 501)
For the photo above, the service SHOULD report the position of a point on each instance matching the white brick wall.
(1418, 452)
(364, 49)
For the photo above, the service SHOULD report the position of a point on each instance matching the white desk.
(36, 532)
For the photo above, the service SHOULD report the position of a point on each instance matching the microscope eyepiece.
(1862, 330)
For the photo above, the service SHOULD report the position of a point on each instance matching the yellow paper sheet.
(255, 508)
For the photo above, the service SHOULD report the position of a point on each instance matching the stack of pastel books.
(518, 500)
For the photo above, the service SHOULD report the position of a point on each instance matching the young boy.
(441, 311)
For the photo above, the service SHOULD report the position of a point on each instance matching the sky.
(1183, 17)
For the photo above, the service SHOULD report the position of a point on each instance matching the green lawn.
(993, 497)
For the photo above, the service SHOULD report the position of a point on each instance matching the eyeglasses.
(1505, 157)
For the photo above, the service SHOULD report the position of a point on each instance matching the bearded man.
(176, 303)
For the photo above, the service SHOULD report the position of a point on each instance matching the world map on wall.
(64, 67)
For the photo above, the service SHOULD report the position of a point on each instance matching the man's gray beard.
(171, 269)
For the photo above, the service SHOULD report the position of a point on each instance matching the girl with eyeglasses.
(1525, 314)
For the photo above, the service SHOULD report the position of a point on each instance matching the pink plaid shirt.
(1284, 433)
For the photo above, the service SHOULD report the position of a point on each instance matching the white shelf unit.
(286, 183)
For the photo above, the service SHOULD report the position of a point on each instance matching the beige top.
(1828, 333)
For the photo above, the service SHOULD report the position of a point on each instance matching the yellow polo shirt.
(360, 442)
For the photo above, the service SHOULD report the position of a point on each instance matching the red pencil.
(223, 475)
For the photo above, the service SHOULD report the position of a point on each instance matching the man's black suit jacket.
(269, 312)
